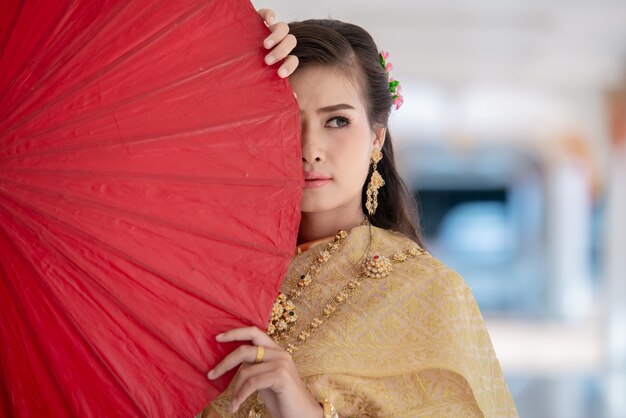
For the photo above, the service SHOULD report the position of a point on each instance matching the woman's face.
(337, 139)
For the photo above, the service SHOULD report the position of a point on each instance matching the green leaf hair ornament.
(394, 85)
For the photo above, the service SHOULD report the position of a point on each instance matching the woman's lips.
(314, 179)
(315, 183)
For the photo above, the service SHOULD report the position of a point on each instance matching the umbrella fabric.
(150, 181)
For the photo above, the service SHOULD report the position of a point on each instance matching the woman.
(367, 323)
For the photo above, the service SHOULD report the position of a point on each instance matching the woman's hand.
(276, 377)
(281, 43)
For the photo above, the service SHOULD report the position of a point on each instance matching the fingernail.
(269, 43)
(210, 374)
(270, 59)
(218, 336)
(232, 407)
(282, 73)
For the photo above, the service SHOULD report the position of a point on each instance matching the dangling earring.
(376, 182)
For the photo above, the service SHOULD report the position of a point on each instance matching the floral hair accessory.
(394, 85)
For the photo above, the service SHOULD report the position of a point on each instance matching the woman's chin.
(310, 205)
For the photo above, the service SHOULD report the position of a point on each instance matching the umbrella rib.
(36, 48)
(206, 129)
(153, 332)
(136, 215)
(9, 409)
(53, 300)
(86, 39)
(97, 112)
(199, 367)
(237, 181)
(7, 36)
(24, 314)
(170, 280)
(119, 60)
(151, 279)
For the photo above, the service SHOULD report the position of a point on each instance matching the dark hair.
(350, 49)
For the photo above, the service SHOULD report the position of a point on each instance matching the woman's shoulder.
(411, 262)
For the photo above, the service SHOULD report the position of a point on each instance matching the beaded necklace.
(284, 313)
(374, 267)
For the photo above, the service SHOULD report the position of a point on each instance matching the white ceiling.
(558, 44)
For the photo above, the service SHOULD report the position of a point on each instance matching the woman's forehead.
(321, 86)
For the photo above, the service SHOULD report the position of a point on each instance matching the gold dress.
(412, 344)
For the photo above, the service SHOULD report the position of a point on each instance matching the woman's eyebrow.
(333, 108)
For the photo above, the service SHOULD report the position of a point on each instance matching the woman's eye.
(338, 122)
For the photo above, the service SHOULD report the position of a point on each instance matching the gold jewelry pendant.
(283, 314)
(377, 267)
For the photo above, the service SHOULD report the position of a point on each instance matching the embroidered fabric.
(411, 344)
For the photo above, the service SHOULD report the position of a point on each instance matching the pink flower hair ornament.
(394, 85)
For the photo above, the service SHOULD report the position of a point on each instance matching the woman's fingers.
(282, 43)
(248, 372)
(264, 380)
(252, 334)
(244, 353)
(276, 359)
(289, 66)
(267, 15)
(282, 50)
(278, 32)
(262, 376)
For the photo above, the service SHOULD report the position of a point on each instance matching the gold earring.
(376, 182)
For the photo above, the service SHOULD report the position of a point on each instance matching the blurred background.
(513, 137)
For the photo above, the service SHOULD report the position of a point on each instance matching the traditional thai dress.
(411, 344)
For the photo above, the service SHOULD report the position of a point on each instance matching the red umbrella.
(150, 181)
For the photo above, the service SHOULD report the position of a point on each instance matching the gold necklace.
(284, 313)
(375, 267)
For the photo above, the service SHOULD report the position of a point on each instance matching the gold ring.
(260, 350)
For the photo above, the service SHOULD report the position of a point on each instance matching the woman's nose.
(311, 147)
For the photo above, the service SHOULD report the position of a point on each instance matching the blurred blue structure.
(482, 214)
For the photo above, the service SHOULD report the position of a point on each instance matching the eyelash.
(343, 119)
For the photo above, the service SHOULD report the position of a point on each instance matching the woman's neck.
(317, 225)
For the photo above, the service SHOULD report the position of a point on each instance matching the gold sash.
(413, 344)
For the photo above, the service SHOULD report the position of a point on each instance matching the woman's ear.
(379, 136)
